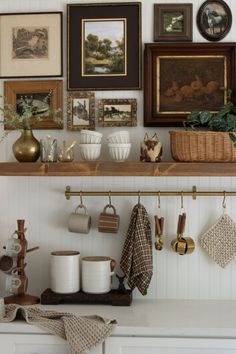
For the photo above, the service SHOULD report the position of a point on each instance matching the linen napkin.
(83, 333)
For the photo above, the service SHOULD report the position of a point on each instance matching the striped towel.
(136, 259)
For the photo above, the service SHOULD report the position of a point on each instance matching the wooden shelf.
(117, 169)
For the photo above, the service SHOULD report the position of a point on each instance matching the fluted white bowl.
(90, 152)
(119, 152)
(121, 137)
(90, 137)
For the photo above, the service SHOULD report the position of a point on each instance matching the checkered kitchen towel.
(136, 259)
(83, 333)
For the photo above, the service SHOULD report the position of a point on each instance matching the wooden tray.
(114, 298)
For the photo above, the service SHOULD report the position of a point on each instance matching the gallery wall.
(41, 202)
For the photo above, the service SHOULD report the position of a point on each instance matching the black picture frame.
(173, 22)
(38, 52)
(214, 20)
(87, 67)
(183, 77)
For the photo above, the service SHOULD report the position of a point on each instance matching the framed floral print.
(104, 46)
(173, 22)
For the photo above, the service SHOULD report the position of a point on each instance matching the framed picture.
(104, 46)
(173, 22)
(31, 44)
(180, 78)
(117, 112)
(214, 19)
(80, 110)
(44, 95)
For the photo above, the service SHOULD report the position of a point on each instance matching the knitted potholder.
(220, 240)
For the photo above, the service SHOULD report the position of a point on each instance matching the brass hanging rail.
(194, 193)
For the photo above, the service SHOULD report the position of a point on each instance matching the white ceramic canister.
(65, 277)
(96, 274)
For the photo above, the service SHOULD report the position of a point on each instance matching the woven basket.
(202, 146)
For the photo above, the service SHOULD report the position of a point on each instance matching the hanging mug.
(13, 246)
(78, 222)
(108, 222)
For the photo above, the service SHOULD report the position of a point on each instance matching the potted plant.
(208, 137)
(27, 147)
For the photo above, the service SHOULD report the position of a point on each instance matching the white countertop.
(190, 318)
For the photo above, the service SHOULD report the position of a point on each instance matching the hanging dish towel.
(220, 240)
(136, 259)
(82, 332)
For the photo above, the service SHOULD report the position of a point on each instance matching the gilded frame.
(40, 55)
(198, 71)
(173, 22)
(129, 118)
(12, 89)
(88, 66)
(85, 118)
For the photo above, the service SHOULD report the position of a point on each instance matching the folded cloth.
(136, 258)
(82, 332)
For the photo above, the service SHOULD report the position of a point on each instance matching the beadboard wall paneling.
(41, 201)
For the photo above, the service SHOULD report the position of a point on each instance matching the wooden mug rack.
(21, 298)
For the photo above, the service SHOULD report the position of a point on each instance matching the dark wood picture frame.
(12, 89)
(214, 20)
(87, 71)
(114, 103)
(173, 22)
(86, 100)
(170, 90)
(31, 45)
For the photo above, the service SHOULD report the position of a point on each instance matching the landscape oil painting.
(104, 47)
(29, 42)
(117, 112)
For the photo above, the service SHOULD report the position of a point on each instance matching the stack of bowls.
(90, 145)
(119, 145)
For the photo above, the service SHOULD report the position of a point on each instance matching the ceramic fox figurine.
(151, 149)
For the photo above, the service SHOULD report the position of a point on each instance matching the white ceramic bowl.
(90, 152)
(121, 137)
(90, 137)
(119, 152)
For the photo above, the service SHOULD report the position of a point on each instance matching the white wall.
(42, 203)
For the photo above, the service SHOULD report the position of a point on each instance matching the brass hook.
(81, 199)
(139, 197)
(109, 196)
(159, 200)
(182, 201)
(224, 200)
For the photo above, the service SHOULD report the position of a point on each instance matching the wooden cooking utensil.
(182, 245)
(159, 226)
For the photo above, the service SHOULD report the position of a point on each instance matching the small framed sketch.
(104, 46)
(117, 112)
(214, 19)
(31, 44)
(44, 95)
(173, 22)
(80, 110)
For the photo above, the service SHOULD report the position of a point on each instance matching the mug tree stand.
(21, 298)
